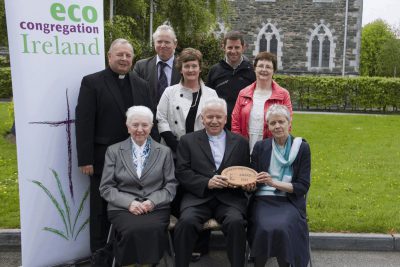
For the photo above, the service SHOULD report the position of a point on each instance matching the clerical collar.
(117, 75)
(216, 137)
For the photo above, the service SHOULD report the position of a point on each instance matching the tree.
(192, 17)
(3, 25)
(375, 37)
(188, 17)
(390, 59)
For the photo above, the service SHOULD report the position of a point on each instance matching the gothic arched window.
(326, 50)
(269, 39)
(273, 48)
(321, 48)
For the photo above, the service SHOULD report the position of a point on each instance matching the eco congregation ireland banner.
(52, 45)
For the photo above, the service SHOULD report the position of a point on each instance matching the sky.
(388, 10)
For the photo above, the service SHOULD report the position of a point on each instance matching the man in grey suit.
(155, 69)
(201, 157)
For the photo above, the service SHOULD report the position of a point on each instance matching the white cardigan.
(174, 107)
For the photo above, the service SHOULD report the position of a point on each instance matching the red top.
(244, 104)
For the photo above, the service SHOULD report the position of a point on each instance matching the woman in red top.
(248, 116)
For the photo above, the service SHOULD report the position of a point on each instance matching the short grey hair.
(139, 110)
(216, 101)
(164, 28)
(119, 41)
(277, 109)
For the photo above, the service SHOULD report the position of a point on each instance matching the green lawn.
(355, 178)
(355, 172)
(9, 201)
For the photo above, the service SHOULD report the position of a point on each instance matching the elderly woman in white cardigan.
(179, 109)
(139, 184)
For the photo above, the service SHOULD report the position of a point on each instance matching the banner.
(52, 45)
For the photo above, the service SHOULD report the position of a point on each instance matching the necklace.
(197, 97)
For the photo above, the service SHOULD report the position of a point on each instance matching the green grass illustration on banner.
(70, 231)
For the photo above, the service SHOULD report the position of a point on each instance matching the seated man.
(201, 157)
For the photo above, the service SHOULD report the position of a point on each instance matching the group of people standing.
(156, 139)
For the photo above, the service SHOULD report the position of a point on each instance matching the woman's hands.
(265, 178)
(138, 208)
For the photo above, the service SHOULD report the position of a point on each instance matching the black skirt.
(139, 239)
(276, 229)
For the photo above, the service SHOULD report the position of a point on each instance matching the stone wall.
(294, 23)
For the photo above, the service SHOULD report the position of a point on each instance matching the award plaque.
(239, 175)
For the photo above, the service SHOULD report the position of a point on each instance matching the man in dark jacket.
(232, 73)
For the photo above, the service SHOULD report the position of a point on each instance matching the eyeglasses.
(265, 67)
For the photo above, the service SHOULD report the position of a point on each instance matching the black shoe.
(102, 257)
(195, 257)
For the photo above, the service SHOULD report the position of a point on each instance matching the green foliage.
(5, 83)
(372, 94)
(4, 61)
(390, 58)
(208, 45)
(188, 17)
(121, 27)
(376, 48)
(70, 232)
(3, 25)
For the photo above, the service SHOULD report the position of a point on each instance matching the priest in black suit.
(103, 100)
(160, 70)
(201, 157)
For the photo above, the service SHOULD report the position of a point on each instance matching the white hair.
(119, 41)
(214, 102)
(164, 28)
(139, 110)
(277, 109)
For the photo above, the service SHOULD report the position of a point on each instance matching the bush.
(208, 45)
(5, 83)
(365, 94)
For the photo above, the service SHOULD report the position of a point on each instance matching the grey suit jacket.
(120, 184)
(147, 70)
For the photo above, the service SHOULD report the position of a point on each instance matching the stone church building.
(308, 36)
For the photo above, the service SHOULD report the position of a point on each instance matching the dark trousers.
(202, 245)
(190, 225)
(99, 224)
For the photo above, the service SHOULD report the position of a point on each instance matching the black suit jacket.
(195, 167)
(100, 115)
(261, 158)
(147, 70)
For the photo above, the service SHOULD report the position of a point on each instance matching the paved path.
(321, 258)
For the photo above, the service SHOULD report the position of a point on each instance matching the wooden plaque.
(239, 175)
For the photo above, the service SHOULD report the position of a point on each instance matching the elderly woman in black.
(139, 183)
(277, 213)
